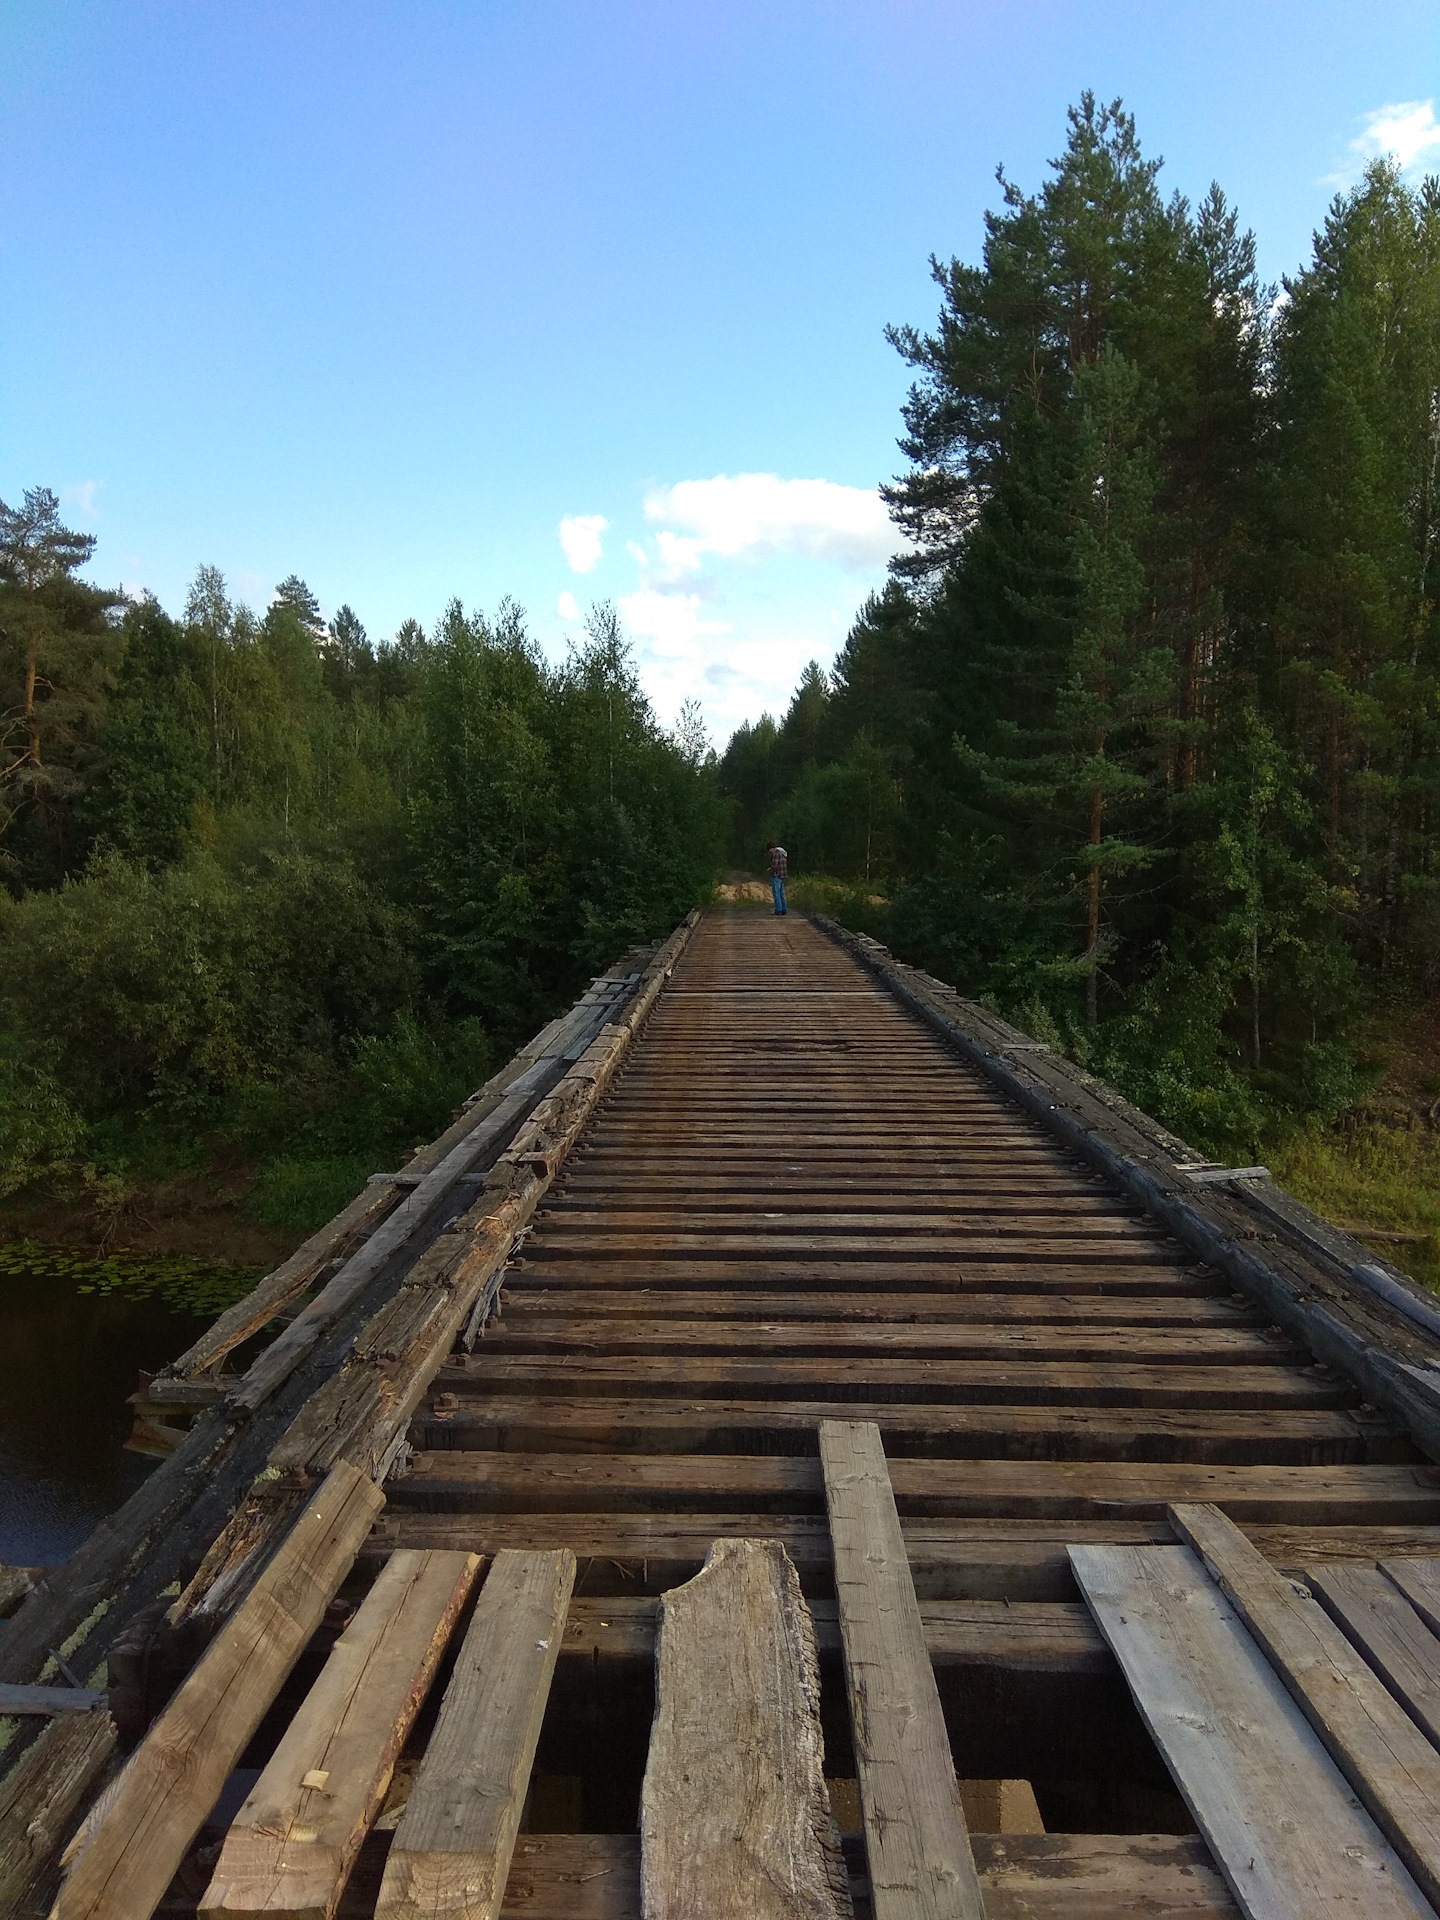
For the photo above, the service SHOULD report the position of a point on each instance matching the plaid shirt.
(779, 865)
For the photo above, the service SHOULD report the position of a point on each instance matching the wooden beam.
(452, 1847)
(734, 1815)
(40, 1801)
(290, 1848)
(1284, 1828)
(174, 1777)
(1389, 1762)
(47, 1700)
(921, 1866)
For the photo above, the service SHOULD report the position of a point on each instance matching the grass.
(1368, 1176)
(302, 1194)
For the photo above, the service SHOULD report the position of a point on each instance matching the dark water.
(74, 1335)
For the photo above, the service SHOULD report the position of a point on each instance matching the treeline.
(1141, 740)
(272, 885)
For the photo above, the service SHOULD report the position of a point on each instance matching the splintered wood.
(734, 1815)
(294, 1841)
(174, 1777)
(451, 1852)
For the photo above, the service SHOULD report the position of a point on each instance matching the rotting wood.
(290, 1848)
(40, 1801)
(172, 1780)
(1285, 1829)
(734, 1816)
(360, 1413)
(452, 1848)
(1381, 1752)
(919, 1854)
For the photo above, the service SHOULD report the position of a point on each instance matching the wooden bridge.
(795, 1447)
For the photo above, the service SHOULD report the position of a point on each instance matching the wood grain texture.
(1286, 1831)
(452, 1847)
(1419, 1581)
(921, 1867)
(1375, 1615)
(40, 1802)
(291, 1846)
(1379, 1749)
(174, 1777)
(734, 1815)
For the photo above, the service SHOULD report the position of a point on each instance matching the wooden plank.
(1285, 1829)
(550, 1424)
(1419, 1581)
(452, 1847)
(857, 1377)
(919, 1854)
(530, 1306)
(1387, 1760)
(290, 1848)
(47, 1700)
(1017, 1489)
(1374, 1614)
(40, 1802)
(175, 1775)
(734, 1815)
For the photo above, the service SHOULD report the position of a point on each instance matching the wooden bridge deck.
(796, 1227)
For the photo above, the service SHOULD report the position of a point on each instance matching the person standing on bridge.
(779, 868)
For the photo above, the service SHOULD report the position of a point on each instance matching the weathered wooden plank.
(47, 1700)
(175, 1775)
(452, 1847)
(919, 1853)
(1285, 1829)
(734, 1815)
(1017, 1489)
(529, 1306)
(1419, 1581)
(858, 1377)
(40, 1802)
(1374, 1614)
(1212, 1346)
(548, 1424)
(1384, 1756)
(290, 1848)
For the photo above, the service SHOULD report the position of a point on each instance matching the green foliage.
(189, 1285)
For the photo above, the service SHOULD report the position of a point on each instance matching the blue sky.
(396, 296)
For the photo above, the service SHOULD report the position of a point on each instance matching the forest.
(1141, 741)
(280, 896)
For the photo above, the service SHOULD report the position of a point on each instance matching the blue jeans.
(777, 888)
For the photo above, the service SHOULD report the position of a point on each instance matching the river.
(74, 1334)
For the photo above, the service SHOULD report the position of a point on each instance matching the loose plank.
(734, 1814)
(921, 1867)
(1285, 1830)
(293, 1843)
(1381, 1752)
(452, 1847)
(174, 1777)
(1375, 1614)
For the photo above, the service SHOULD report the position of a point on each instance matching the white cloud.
(567, 606)
(580, 537)
(82, 496)
(756, 513)
(671, 623)
(1406, 131)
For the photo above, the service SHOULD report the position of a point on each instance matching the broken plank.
(919, 1852)
(1285, 1829)
(452, 1847)
(1374, 1613)
(40, 1802)
(1381, 1752)
(734, 1815)
(175, 1775)
(292, 1844)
